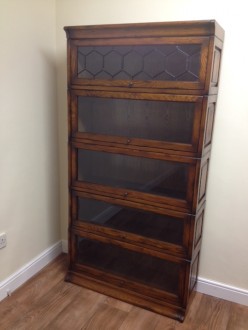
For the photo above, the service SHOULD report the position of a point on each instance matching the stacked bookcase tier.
(142, 101)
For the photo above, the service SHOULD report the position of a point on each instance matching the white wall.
(225, 248)
(29, 204)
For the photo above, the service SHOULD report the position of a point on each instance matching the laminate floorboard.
(48, 302)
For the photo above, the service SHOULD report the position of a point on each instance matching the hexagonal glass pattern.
(140, 62)
(154, 63)
(112, 63)
(176, 63)
(133, 63)
(94, 62)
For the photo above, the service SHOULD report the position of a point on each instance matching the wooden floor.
(47, 302)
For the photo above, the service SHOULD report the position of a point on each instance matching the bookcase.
(141, 106)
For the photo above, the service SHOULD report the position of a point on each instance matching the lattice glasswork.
(157, 62)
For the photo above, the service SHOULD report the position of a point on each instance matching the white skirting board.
(223, 291)
(15, 280)
(206, 286)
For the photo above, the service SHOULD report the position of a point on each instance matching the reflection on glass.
(160, 273)
(153, 120)
(143, 174)
(152, 225)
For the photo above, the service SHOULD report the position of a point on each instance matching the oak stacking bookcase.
(142, 101)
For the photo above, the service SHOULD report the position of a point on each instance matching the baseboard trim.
(30, 269)
(223, 291)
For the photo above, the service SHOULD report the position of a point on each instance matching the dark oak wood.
(48, 302)
(158, 29)
(206, 33)
(191, 148)
(141, 107)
